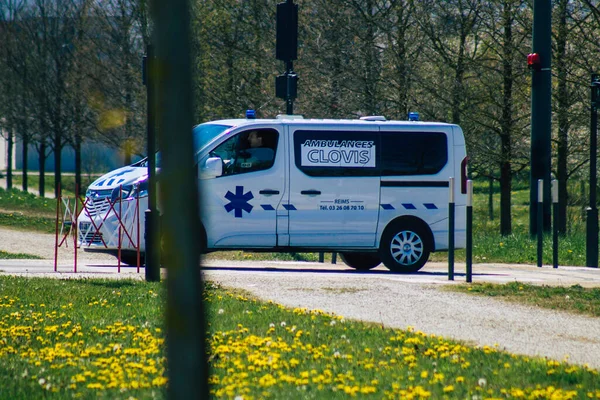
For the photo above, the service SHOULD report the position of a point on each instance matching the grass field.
(67, 182)
(575, 299)
(25, 211)
(4, 255)
(106, 340)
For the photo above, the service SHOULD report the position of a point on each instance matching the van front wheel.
(130, 258)
(361, 261)
(405, 247)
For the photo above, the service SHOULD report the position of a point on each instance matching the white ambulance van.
(373, 190)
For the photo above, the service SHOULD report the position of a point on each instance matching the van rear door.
(416, 162)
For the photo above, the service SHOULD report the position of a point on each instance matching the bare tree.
(120, 34)
(452, 31)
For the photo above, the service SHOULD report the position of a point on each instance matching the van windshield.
(206, 132)
(202, 135)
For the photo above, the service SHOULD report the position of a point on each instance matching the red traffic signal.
(533, 61)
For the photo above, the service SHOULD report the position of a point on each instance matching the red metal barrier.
(70, 225)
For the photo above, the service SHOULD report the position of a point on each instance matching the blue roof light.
(413, 116)
(250, 114)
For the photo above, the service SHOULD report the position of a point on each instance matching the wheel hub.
(406, 248)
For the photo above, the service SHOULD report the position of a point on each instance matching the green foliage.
(574, 298)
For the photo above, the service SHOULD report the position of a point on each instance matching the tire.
(361, 261)
(405, 246)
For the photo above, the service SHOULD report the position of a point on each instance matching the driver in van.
(257, 153)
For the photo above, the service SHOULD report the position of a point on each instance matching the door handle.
(310, 192)
(268, 191)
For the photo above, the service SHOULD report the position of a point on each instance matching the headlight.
(142, 188)
(138, 189)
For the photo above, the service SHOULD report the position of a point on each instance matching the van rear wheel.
(361, 261)
(405, 247)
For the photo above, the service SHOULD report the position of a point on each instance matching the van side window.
(249, 151)
(418, 153)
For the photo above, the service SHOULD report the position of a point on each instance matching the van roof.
(298, 121)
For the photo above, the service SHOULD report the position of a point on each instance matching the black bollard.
(451, 213)
(469, 249)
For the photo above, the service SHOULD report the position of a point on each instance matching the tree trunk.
(42, 157)
(401, 65)
(506, 125)
(78, 162)
(57, 163)
(457, 90)
(9, 169)
(491, 198)
(25, 155)
(505, 198)
(371, 70)
(563, 117)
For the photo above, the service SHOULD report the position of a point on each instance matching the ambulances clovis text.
(338, 153)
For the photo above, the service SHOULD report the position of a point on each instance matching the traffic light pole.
(289, 88)
(541, 114)
(286, 50)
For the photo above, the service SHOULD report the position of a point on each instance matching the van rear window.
(413, 153)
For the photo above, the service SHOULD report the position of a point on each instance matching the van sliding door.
(334, 186)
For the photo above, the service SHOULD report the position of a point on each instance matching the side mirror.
(212, 168)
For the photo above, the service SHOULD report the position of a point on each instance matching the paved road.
(432, 273)
(394, 300)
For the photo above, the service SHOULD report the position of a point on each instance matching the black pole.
(451, 213)
(187, 363)
(540, 220)
(555, 223)
(592, 210)
(541, 112)
(289, 99)
(152, 271)
(469, 250)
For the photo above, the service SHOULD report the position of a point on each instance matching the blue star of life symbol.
(239, 201)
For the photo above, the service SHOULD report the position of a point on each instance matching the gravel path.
(390, 300)
(42, 245)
